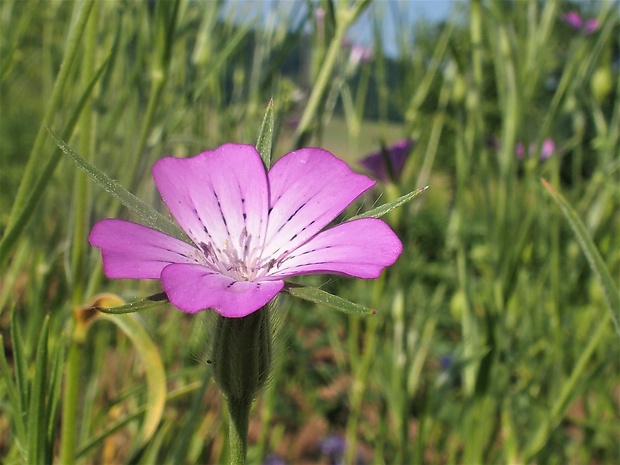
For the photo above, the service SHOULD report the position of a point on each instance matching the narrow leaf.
(150, 216)
(132, 326)
(388, 207)
(265, 138)
(612, 296)
(135, 306)
(10, 386)
(37, 410)
(13, 232)
(20, 365)
(317, 296)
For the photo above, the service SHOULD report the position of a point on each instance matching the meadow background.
(493, 340)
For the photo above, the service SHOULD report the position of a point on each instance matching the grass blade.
(133, 327)
(13, 394)
(36, 194)
(317, 296)
(612, 296)
(35, 158)
(37, 410)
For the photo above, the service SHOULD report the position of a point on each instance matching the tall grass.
(492, 342)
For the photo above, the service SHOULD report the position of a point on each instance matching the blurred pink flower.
(576, 21)
(573, 19)
(360, 54)
(591, 26)
(547, 149)
(520, 150)
(396, 155)
(250, 229)
(319, 16)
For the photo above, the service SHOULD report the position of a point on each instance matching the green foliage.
(492, 339)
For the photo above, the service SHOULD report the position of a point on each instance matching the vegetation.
(495, 338)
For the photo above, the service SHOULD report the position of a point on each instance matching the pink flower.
(376, 162)
(360, 54)
(520, 150)
(575, 20)
(250, 229)
(591, 26)
(547, 149)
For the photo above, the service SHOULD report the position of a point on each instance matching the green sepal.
(317, 296)
(135, 306)
(388, 207)
(150, 216)
(265, 138)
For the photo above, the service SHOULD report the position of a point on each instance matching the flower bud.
(242, 354)
(601, 83)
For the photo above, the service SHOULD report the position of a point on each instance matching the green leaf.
(265, 138)
(612, 296)
(132, 326)
(150, 216)
(388, 207)
(135, 306)
(317, 296)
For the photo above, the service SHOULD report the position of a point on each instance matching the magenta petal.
(359, 248)
(573, 19)
(130, 250)
(218, 197)
(192, 288)
(309, 188)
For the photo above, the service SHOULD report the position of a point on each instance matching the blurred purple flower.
(250, 229)
(274, 459)
(520, 150)
(576, 21)
(388, 163)
(446, 362)
(334, 448)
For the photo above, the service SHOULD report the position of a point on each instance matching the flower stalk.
(242, 362)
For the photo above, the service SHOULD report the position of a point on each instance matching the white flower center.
(242, 261)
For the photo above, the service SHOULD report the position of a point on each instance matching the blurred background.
(493, 340)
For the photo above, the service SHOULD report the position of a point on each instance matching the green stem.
(345, 19)
(81, 188)
(70, 402)
(568, 390)
(238, 420)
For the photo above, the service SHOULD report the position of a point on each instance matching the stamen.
(242, 261)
